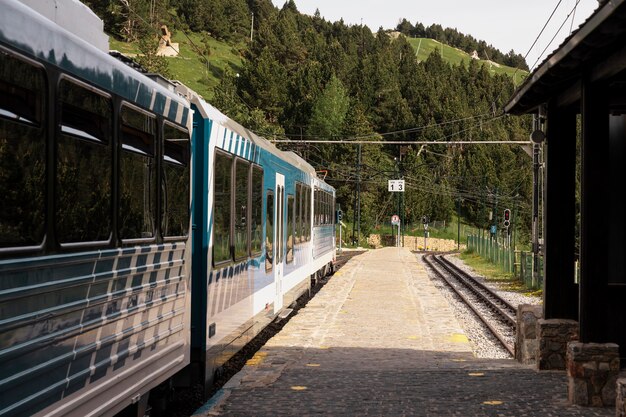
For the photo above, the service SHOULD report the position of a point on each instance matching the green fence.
(518, 263)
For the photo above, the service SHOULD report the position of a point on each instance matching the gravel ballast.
(483, 343)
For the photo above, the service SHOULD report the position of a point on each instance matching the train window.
(303, 189)
(83, 171)
(280, 224)
(298, 210)
(307, 213)
(175, 182)
(137, 195)
(316, 208)
(221, 208)
(242, 179)
(22, 153)
(321, 207)
(256, 207)
(328, 209)
(324, 207)
(269, 232)
(290, 227)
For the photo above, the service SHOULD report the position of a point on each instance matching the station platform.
(380, 340)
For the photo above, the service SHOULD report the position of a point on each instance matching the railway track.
(497, 314)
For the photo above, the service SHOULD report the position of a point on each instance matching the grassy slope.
(425, 46)
(189, 67)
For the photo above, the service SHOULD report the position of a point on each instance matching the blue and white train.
(144, 236)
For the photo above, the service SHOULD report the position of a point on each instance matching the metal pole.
(513, 220)
(398, 194)
(358, 199)
(398, 237)
(535, 223)
(495, 218)
(252, 28)
(339, 237)
(458, 224)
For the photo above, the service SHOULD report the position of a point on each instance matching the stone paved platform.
(380, 340)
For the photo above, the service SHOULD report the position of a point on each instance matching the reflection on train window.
(307, 213)
(221, 208)
(176, 182)
(298, 209)
(315, 208)
(269, 232)
(280, 223)
(83, 172)
(256, 207)
(323, 210)
(290, 227)
(137, 195)
(22, 153)
(242, 172)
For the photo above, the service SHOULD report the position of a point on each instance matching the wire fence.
(521, 264)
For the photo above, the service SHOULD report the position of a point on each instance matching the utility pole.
(514, 218)
(537, 137)
(358, 193)
(356, 224)
(399, 196)
(252, 27)
(458, 223)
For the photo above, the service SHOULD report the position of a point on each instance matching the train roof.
(24, 29)
(210, 112)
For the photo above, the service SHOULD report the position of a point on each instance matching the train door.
(279, 237)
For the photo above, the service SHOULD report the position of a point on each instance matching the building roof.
(602, 37)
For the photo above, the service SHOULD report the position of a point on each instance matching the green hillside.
(189, 66)
(425, 46)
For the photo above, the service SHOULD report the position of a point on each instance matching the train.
(145, 237)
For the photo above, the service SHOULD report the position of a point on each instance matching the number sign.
(396, 186)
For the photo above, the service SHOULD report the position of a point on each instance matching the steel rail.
(478, 314)
(474, 285)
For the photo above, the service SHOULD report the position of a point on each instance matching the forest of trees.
(306, 78)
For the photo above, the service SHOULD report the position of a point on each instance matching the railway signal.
(507, 218)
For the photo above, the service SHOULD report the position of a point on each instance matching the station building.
(578, 96)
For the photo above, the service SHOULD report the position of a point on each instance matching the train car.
(144, 236)
(95, 242)
(255, 244)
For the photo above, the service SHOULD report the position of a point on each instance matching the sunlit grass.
(425, 46)
(190, 67)
(492, 273)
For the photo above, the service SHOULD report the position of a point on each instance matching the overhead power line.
(356, 139)
(557, 32)
(403, 131)
(543, 28)
(405, 142)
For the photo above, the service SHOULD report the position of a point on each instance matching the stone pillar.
(620, 403)
(526, 343)
(592, 372)
(553, 336)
